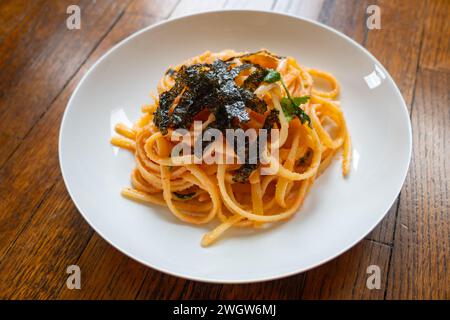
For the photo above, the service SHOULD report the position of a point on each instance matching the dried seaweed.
(171, 72)
(242, 174)
(255, 78)
(209, 86)
(213, 86)
(246, 55)
(271, 119)
(166, 99)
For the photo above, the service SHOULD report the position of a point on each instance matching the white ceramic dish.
(337, 213)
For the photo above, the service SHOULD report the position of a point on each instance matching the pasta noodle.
(198, 193)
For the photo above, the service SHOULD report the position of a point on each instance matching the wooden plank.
(33, 169)
(284, 289)
(176, 288)
(13, 12)
(160, 286)
(36, 264)
(397, 45)
(346, 276)
(24, 189)
(8, 145)
(249, 4)
(106, 273)
(384, 231)
(419, 267)
(347, 16)
(186, 7)
(437, 36)
(109, 274)
(342, 278)
(27, 176)
(157, 8)
(41, 55)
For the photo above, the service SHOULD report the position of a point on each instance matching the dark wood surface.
(41, 232)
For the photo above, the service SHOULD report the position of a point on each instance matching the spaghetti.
(277, 93)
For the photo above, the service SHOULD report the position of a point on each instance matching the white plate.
(337, 213)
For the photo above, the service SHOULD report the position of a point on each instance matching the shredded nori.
(242, 174)
(171, 72)
(209, 86)
(212, 86)
(271, 119)
(255, 78)
(246, 55)
(166, 99)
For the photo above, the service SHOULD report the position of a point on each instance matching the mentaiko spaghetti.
(234, 90)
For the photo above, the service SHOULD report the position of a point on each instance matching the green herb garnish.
(290, 105)
(291, 108)
(272, 76)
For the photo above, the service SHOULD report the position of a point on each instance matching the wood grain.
(345, 277)
(287, 288)
(156, 8)
(29, 186)
(33, 168)
(109, 273)
(397, 45)
(50, 242)
(9, 144)
(346, 16)
(342, 278)
(419, 267)
(39, 55)
(106, 273)
(437, 36)
(41, 232)
(103, 263)
(13, 12)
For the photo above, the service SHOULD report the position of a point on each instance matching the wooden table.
(41, 231)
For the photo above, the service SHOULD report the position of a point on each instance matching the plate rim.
(217, 280)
